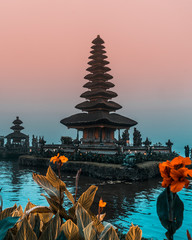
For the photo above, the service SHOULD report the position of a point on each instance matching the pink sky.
(44, 49)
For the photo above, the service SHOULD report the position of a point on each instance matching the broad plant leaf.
(29, 206)
(25, 232)
(45, 217)
(101, 217)
(61, 236)
(52, 230)
(54, 180)
(6, 224)
(36, 225)
(7, 212)
(89, 232)
(70, 230)
(9, 235)
(109, 234)
(87, 198)
(18, 212)
(53, 186)
(38, 209)
(163, 212)
(134, 233)
(69, 196)
(44, 213)
(97, 224)
(43, 182)
(83, 219)
(55, 206)
(58, 183)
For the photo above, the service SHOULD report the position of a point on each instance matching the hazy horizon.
(45, 47)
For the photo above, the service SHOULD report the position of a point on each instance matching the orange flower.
(180, 162)
(166, 182)
(165, 168)
(59, 159)
(101, 203)
(179, 179)
(174, 173)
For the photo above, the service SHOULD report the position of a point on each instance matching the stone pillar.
(96, 133)
(101, 135)
(85, 134)
(78, 134)
(119, 136)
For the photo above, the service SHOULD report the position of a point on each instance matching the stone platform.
(139, 172)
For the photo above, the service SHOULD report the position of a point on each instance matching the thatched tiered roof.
(98, 95)
(17, 135)
(98, 104)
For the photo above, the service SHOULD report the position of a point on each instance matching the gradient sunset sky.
(44, 50)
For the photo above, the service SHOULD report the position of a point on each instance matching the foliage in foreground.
(78, 222)
(57, 223)
(169, 206)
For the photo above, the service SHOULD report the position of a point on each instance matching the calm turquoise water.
(126, 202)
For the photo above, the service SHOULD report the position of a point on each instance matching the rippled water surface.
(126, 202)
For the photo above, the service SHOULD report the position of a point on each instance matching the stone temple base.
(99, 148)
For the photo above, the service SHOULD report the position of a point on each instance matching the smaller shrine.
(17, 142)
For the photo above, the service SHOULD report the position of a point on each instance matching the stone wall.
(141, 171)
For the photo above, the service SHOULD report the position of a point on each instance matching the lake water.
(126, 202)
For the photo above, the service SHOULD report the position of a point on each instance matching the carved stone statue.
(186, 151)
(169, 144)
(147, 142)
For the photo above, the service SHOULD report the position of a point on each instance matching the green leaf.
(83, 218)
(163, 212)
(6, 224)
(70, 230)
(25, 232)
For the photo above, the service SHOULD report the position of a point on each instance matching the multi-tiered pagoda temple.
(17, 141)
(97, 122)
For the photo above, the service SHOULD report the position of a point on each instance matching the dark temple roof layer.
(98, 104)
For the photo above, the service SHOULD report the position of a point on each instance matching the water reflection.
(126, 202)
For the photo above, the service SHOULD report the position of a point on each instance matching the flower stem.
(170, 209)
(60, 198)
(77, 182)
(170, 202)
